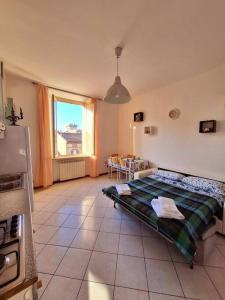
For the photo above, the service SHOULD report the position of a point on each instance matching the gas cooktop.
(12, 252)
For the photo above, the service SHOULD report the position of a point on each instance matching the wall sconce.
(149, 130)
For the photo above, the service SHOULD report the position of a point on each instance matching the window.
(73, 128)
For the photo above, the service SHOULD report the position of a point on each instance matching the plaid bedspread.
(199, 211)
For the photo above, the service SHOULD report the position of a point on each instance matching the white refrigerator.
(15, 155)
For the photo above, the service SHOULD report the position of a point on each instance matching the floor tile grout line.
(132, 235)
(80, 228)
(40, 252)
(175, 269)
(117, 285)
(44, 221)
(49, 238)
(59, 263)
(146, 274)
(139, 235)
(117, 257)
(223, 254)
(182, 297)
(46, 285)
(205, 269)
(59, 225)
(122, 254)
(200, 265)
(88, 263)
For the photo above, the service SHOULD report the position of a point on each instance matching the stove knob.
(13, 233)
(13, 227)
(14, 223)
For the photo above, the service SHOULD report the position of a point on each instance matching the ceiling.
(70, 44)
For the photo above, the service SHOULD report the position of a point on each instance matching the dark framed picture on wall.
(138, 117)
(207, 126)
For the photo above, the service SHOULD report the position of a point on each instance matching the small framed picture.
(138, 117)
(207, 126)
(149, 130)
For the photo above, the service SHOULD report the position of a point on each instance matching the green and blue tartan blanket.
(199, 211)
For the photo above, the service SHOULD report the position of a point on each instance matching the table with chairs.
(125, 166)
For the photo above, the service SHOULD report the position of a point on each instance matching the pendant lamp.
(117, 93)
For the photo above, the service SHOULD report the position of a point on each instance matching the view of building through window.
(68, 128)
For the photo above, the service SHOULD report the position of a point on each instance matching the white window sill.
(71, 157)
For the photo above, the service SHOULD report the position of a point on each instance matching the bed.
(199, 210)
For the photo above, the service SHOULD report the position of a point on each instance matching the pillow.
(169, 174)
(220, 189)
(122, 162)
(205, 184)
(114, 159)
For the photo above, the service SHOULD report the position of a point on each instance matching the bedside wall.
(177, 144)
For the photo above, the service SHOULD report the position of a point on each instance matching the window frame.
(56, 99)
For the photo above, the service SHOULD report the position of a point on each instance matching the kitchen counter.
(10, 205)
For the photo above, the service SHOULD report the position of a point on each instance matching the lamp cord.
(117, 65)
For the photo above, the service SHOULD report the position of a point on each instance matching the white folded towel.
(166, 208)
(123, 189)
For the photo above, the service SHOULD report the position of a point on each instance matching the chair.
(112, 163)
(130, 156)
(124, 167)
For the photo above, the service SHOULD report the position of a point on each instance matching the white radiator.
(71, 169)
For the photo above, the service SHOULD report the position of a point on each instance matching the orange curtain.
(94, 158)
(43, 175)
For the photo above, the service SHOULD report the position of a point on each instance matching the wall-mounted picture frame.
(148, 130)
(138, 117)
(174, 114)
(208, 126)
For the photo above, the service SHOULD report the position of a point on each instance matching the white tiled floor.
(87, 250)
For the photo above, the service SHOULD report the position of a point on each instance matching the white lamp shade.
(117, 93)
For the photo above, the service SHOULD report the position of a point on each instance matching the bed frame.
(204, 246)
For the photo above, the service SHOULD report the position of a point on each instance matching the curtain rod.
(65, 91)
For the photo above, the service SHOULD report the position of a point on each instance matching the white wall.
(177, 144)
(23, 93)
(108, 132)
